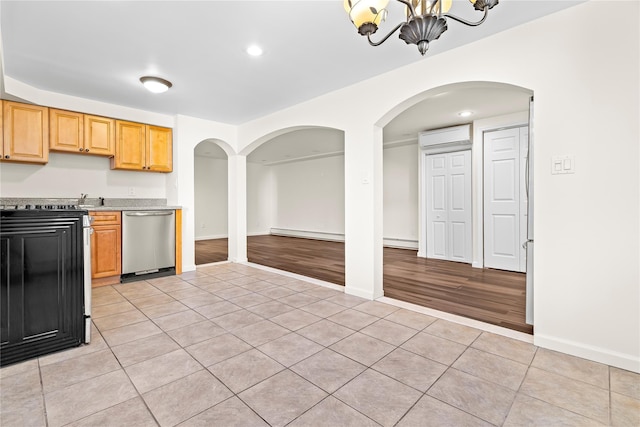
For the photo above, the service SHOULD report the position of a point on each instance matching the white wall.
(261, 197)
(400, 169)
(210, 175)
(310, 195)
(586, 89)
(68, 175)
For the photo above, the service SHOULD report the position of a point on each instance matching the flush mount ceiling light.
(254, 50)
(465, 113)
(426, 19)
(155, 84)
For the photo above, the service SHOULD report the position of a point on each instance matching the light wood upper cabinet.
(80, 133)
(159, 149)
(142, 147)
(26, 133)
(66, 131)
(99, 135)
(130, 146)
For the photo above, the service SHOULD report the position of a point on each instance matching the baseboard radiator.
(338, 237)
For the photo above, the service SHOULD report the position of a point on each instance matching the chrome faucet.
(83, 198)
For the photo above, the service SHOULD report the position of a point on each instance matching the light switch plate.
(562, 165)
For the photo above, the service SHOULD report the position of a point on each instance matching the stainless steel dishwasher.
(148, 243)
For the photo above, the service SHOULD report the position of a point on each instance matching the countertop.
(130, 208)
(94, 204)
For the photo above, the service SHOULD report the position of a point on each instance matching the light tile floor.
(233, 345)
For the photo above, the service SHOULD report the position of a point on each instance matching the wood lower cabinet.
(141, 147)
(106, 248)
(26, 133)
(79, 133)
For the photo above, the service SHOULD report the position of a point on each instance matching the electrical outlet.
(132, 191)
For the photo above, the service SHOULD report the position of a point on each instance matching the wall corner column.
(237, 206)
(363, 211)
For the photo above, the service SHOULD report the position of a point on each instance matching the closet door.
(504, 199)
(448, 196)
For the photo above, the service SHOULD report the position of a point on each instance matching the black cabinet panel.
(42, 286)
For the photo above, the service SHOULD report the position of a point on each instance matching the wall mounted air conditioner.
(454, 138)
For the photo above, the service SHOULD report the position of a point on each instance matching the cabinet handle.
(86, 149)
(80, 149)
(7, 157)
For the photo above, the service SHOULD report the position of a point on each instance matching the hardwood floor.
(208, 251)
(492, 296)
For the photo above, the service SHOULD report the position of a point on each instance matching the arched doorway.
(210, 202)
(477, 292)
(295, 202)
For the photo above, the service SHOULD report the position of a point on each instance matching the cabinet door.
(66, 131)
(106, 242)
(130, 146)
(99, 135)
(159, 149)
(41, 289)
(26, 133)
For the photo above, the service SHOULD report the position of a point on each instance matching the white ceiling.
(99, 50)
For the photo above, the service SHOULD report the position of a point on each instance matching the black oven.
(45, 292)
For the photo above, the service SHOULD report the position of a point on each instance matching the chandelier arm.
(378, 43)
(410, 6)
(469, 23)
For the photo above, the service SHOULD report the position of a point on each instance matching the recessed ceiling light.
(465, 113)
(155, 84)
(254, 50)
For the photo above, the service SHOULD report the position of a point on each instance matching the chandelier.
(426, 19)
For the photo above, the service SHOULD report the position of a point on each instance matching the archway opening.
(210, 202)
(437, 198)
(295, 202)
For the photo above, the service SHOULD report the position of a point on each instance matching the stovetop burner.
(41, 207)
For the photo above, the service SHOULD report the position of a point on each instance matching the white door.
(504, 200)
(448, 197)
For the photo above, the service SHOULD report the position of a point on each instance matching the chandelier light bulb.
(426, 20)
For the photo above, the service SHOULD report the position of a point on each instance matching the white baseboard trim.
(212, 237)
(316, 235)
(191, 267)
(359, 293)
(597, 354)
(477, 264)
(225, 236)
(214, 263)
(390, 242)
